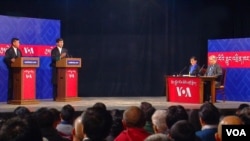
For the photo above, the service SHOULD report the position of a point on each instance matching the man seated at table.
(213, 69)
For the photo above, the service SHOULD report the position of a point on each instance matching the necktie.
(210, 72)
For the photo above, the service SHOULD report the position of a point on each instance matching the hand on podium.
(63, 55)
(13, 60)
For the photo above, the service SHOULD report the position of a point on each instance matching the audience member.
(78, 132)
(21, 111)
(209, 117)
(159, 121)
(241, 106)
(100, 105)
(20, 129)
(227, 120)
(117, 126)
(158, 137)
(45, 119)
(65, 127)
(97, 124)
(174, 114)
(193, 118)
(133, 121)
(182, 130)
(244, 115)
(148, 111)
(57, 118)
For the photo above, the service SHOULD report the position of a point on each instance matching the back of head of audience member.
(68, 113)
(227, 120)
(117, 126)
(193, 118)
(241, 106)
(148, 110)
(244, 114)
(44, 117)
(174, 114)
(56, 115)
(97, 123)
(78, 133)
(209, 114)
(159, 121)
(133, 117)
(20, 129)
(22, 111)
(182, 130)
(100, 105)
(158, 137)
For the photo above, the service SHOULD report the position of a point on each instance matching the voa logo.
(183, 91)
(28, 50)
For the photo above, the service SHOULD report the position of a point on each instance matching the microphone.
(199, 73)
(182, 70)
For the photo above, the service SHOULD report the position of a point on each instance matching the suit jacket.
(206, 134)
(9, 54)
(216, 70)
(195, 71)
(55, 56)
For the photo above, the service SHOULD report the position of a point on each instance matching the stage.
(120, 103)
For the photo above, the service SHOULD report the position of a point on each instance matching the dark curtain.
(128, 46)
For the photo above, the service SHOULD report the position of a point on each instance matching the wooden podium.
(24, 80)
(67, 79)
(188, 89)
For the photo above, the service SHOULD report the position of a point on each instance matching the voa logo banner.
(183, 91)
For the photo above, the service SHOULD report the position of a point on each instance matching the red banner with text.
(72, 81)
(184, 89)
(232, 59)
(29, 50)
(29, 83)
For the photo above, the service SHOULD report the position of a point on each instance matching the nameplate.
(30, 62)
(73, 62)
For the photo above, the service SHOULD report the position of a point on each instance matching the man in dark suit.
(57, 53)
(213, 69)
(194, 67)
(10, 56)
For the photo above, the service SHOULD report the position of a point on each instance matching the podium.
(24, 80)
(188, 89)
(67, 79)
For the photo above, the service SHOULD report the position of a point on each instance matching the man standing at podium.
(57, 53)
(11, 54)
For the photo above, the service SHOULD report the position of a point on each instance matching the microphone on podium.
(199, 73)
(180, 73)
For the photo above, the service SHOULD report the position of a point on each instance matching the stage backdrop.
(37, 38)
(234, 56)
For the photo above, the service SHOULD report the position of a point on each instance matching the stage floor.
(120, 103)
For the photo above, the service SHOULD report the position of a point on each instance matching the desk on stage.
(188, 89)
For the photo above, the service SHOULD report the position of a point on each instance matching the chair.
(221, 89)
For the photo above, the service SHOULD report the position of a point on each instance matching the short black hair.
(68, 113)
(22, 111)
(148, 110)
(44, 117)
(174, 114)
(97, 123)
(209, 113)
(182, 130)
(13, 40)
(56, 114)
(59, 39)
(193, 57)
(20, 129)
(100, 105)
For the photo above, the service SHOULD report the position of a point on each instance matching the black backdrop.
(129, 45)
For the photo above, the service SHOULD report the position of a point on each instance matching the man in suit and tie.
(57, 54)
(213, 69)
(11, 54)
